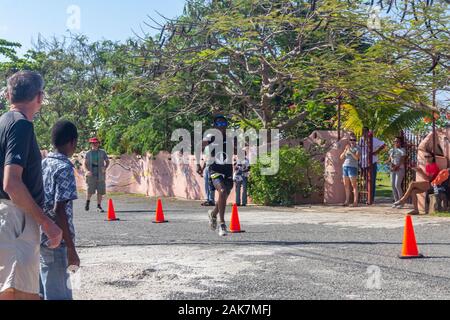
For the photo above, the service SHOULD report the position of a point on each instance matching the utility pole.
(339, 116)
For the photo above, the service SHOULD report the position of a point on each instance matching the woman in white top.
(397, 156)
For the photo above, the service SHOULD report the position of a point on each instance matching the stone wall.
(161, 177)
(151, 176)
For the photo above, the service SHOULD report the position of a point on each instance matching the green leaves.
(8, 49)
(297, 170)
(268, 64)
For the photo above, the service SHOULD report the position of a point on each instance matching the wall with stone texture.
(151, 176)
(160, 176)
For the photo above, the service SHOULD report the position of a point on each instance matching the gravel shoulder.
(295, 253)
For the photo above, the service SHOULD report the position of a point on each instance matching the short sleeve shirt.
(242, 169)
(96, 161)
(349, 160)
(59, 186)
(18, 146)
(377, 144)
(396, 155)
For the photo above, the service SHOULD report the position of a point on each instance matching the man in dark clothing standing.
(22, 192)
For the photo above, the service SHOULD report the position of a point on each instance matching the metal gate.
(411, 144)
(365, 172)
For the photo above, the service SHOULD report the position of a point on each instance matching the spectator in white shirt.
(397, 156)
(241, 174)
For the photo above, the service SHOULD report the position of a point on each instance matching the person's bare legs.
(219, 209)
(13, 294)
(347, 185)
(99, 199)
(215, 211)
(88, 201)
(415, 202)
(221, 203)
(417, 187)
(420, 187)
(354, 182)
(212, 215)
(407, 194)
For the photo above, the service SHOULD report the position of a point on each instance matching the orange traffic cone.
(111, 212)
(235, 225)
(159, 213)
(409, 249)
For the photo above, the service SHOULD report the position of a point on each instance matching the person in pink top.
(418, 187)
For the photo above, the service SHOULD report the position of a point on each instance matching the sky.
(23, 20)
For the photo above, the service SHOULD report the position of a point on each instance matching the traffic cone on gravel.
(235, 225)
(409, 249)
(111, 212)
(159, 213)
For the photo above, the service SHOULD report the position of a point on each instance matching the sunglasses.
(353, 140)
(221, 124)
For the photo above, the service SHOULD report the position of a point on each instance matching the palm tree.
(386, 122)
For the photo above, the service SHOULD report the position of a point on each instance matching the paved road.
(296, 253)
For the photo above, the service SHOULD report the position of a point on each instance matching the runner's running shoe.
(223, 230)
(212, 220)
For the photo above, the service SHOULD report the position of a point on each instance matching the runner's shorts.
(95, 185)
(19, 250)
(219, 179)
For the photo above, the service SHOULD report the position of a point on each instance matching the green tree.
(297, 170)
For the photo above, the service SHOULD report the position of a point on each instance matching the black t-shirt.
(223, 163)
(18, 146)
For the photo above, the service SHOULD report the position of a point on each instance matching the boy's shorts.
(19, 250)
(350, 172)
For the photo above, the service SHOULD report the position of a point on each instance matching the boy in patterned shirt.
(60, 190)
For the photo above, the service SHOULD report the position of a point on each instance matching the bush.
(297, 168)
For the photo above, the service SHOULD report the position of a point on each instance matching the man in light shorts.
(22, 192)
(96, 163)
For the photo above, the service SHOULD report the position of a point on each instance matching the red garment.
(441, 178)
(432, 170)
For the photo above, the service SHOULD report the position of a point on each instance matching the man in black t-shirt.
(221, 172)
(21, 191)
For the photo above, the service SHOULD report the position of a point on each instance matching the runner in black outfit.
(221, 171)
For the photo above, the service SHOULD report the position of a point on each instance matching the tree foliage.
(267, 64)
(297, 169)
